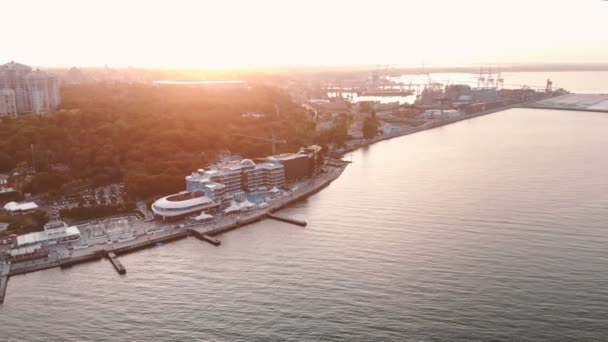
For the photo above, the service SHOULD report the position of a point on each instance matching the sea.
(488, 229)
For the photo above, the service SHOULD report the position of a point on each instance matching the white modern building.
(7, 102)
(25, 91)
(20, 208)
(183, 204)
(236, 177)
(53, 233)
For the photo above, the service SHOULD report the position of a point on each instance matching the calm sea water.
(491, 229)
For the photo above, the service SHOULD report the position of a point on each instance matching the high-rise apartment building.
(25, 91)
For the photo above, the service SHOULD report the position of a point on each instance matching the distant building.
(388, 129)
(484, 94)
(314, 155)
(441, 114)
(319, 106)
(4, 181)
(25, 91)
(7, 102)
(15, 208)
(236, 177)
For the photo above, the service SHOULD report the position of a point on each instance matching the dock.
(573, 102)
(205, 237)
(287, 219)
(4, 281)
(116, 263)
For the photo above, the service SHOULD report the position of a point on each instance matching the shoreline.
(564, 108)
(424, 127)
(226, 224)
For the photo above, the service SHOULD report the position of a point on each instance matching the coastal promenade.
(62, 257)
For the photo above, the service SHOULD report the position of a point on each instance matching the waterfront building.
(27, 253)
(184, 203)
(235, 178)
(389, 129)
(216, 85)
(25, 91)
(297, 166)
(54, 232)
(314, 155)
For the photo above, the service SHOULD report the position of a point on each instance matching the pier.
(287, 219)
(4, 281)
(116, 263)
(205, 237)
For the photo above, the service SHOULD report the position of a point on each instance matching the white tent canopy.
(14, 206)
(203, 216)
(233, 207)
(246, 204)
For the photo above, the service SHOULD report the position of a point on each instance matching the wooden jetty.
(287, 219)
(116, 263)
(205, 237)
(4, 281)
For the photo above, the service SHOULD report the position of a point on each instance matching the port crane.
(273, 139)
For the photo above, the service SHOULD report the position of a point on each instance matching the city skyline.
(238, 33)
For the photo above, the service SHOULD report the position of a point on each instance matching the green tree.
(370, 127)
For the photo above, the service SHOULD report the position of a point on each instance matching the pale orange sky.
(237, 33)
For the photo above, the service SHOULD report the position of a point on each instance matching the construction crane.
(274, 140)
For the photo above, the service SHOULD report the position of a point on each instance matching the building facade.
(25, 91)
(298, 166)
(7, 102)
(236, 177)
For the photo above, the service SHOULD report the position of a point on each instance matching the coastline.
(226, 224)
(423, 127)
(97, 252)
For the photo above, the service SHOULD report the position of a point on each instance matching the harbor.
(93, 245)
(113, 237)
(121, 235)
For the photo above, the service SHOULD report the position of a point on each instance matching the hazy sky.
(229, 33)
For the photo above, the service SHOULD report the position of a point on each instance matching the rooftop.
(14, 206)
(44, 236)
(286, 156)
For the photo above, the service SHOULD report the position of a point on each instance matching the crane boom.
(272, 140)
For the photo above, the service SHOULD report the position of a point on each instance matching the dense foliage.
(370, 127)
(149, 137)
(88, 213)
(24, 223)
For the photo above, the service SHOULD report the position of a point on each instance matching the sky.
(250, 33)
